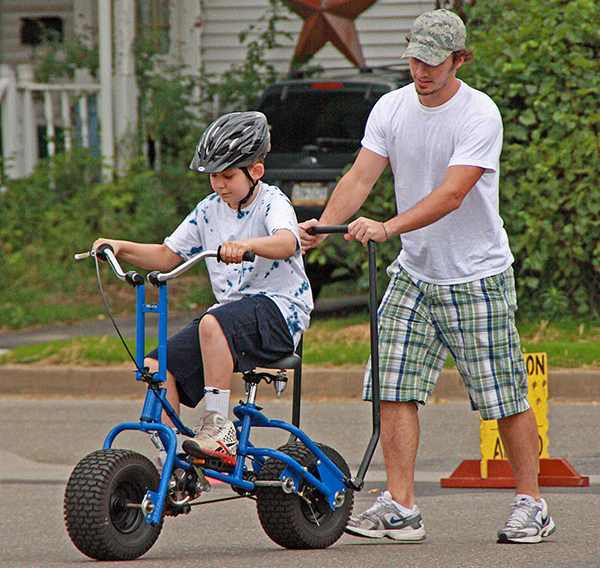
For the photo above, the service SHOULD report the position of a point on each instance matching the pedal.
(206, 460)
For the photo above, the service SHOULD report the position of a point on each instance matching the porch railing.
(26, 105)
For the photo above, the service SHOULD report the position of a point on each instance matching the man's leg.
(520, 439)
(395, 514)
(399, 442)
(529, 520)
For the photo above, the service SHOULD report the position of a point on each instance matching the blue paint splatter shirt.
(213, 222)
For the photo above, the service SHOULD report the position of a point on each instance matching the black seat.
(292, 361)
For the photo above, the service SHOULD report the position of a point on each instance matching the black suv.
(317, 120)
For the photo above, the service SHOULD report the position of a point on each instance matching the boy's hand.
(309, 241)
(114, 244)
(232, 252)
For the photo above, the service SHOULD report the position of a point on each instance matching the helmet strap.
(254, 183)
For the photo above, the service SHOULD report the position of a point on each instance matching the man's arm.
(457, 183)
(348, 196)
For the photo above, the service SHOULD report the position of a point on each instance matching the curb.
(106, 382)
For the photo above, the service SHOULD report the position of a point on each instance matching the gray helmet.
(234, 140)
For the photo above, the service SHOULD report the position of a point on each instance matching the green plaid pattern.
(421, 323)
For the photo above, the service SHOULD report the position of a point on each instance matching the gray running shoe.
(529, 522)
(385, 520)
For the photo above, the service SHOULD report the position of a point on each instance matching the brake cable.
(142, 371)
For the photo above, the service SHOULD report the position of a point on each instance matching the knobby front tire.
(101, 505)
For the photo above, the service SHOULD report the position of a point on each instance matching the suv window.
(328, 114)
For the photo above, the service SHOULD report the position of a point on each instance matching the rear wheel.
(102, 505)
(306, 521)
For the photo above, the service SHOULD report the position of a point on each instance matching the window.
(34, 31)
(152, 23)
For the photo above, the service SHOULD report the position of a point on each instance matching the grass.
(331, 342)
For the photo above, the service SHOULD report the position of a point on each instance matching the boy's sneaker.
(528, 523)
(384, 519)
(216, 437)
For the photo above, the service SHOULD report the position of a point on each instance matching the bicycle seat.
(292, 361)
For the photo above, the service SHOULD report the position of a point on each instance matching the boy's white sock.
(216, 400)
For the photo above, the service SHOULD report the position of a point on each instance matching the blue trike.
(116, 499)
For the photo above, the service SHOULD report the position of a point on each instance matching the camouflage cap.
(435, 35)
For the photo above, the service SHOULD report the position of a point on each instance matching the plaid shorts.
(421, 323)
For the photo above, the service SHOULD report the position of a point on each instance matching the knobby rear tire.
(287, 519)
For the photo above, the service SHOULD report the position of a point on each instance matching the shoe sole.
(397, 535)
(534, 539)
(197, 452)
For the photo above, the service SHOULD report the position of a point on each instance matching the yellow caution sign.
(491, 445)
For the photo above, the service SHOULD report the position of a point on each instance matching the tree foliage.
(539, 60)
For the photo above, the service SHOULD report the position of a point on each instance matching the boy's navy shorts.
(255, 330)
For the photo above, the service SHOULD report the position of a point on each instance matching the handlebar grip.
(249, 256)
(100, 251)
(328, 229)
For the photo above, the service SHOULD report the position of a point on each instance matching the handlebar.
(156, 278)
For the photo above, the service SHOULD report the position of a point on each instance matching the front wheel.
(303, 522)
(102, 505)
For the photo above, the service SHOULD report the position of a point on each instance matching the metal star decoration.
(329, 20)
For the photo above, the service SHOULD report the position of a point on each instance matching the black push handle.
(249, 256)
(328, 229)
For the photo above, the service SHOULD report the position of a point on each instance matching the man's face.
(434, 83)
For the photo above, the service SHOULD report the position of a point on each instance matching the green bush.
(61, 209)
(539, 61)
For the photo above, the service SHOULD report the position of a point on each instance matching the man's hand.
(309, 241)
(365, 230)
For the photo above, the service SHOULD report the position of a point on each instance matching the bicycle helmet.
(234, 140)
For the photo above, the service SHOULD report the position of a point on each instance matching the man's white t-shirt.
(421, 143)
(213, 222)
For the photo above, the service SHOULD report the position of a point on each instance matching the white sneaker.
(528, 522)
(216, 437)
(384, 519)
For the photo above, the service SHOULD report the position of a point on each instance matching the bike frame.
(333, 484)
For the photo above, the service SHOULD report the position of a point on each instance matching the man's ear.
(258, 170)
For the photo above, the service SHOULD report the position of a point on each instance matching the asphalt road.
(42, 439)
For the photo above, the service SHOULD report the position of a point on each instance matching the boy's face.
(233, 185)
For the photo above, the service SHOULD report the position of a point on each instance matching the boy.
(263, 307)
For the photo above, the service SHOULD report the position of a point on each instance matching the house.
(99, 110)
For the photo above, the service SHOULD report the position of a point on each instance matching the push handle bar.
(327, 229)
(358, 482)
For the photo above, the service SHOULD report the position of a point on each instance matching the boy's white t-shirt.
(421, 143)
(213, 222)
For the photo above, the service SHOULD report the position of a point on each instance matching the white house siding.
(381, 29)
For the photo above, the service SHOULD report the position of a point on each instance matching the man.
(452, 286)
